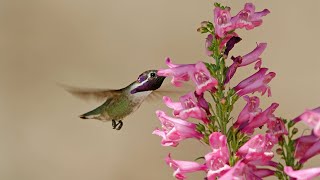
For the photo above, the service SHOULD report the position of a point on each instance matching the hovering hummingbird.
(121, 102)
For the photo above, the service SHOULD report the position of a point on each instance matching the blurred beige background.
(96, 43)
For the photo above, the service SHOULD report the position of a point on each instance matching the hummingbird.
(119, 103)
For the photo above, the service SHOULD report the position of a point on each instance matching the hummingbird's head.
(148, 81)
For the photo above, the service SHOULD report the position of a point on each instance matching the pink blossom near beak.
(202, 78)
(256, 82)
(174, 130)
(182, 167)
(188, 107)
(198, 73)
(248, 18)
(178, 72)
(305, 174)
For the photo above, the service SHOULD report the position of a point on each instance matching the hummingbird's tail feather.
(83, 116)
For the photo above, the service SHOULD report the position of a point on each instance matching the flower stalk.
(237, 151)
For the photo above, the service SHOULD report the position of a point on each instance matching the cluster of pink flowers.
(236, 152)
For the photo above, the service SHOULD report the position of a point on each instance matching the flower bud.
(279, 151)
(291, 123)
(204, 23)
(280, 167)
(202, 30)
(295, 130)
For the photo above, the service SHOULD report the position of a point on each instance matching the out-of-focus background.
(107, 44)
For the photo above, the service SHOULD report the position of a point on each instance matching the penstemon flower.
(235, 151)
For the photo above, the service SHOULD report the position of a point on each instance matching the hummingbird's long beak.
(149, 85)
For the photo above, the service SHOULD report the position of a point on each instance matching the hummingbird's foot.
(120, 123)
(117, 125)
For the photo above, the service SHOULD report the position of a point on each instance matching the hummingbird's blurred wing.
(99, 95)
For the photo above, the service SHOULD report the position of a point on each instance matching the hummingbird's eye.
(152, 74)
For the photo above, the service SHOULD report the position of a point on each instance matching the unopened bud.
(295, 130)
(202, 30)
(223, 101)
(280, 166)
(291, 123)
(281, 142)
(204, 23)
(279, 151)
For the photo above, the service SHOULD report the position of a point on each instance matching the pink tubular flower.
(312, 119)
(257, 82)
(248, 18)
(179, 72)
(182, 167)
(187, 107)
(306, 147)
(197, 72)
(244, 171)
(258, 150)
(253, 56)
(222, 21)
(174, 130)
(276, 127)
(217, 160)
(305, 174)
(249, 111)
(202, 78)
(259, 120)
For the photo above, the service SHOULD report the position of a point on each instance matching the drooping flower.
(306, 147)
(187, 107)
(258, 149)
(312, 119)
(256, 82)
(276, 127)
(226, 39)
(217, 160)
(182, 167)
(222, 21)
(244, 171)
(248, 18)
(250, 110)
(305, 174)
(230, 44)
(239, 61)
(174, 130)
(259, 120)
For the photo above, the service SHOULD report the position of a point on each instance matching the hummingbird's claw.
(120, 123)
(115, 124)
